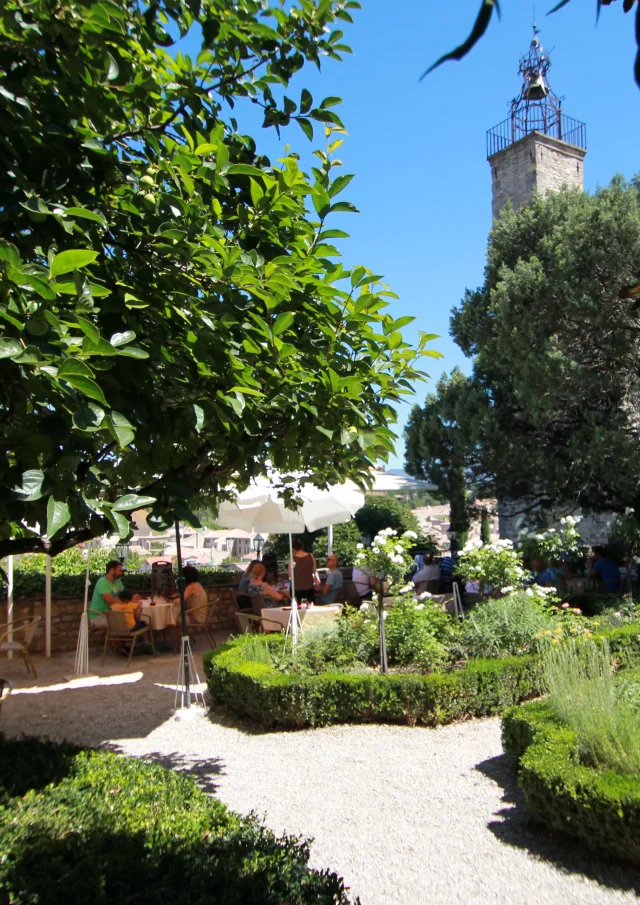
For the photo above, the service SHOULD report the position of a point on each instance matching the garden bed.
(600, 807)
(90, 826)
(483, 687)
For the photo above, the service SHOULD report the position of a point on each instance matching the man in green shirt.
(105, 593)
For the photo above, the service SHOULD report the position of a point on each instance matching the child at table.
(130, 606)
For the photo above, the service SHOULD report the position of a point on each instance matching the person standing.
(304, 572)
(605, 569)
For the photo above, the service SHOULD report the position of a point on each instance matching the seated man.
(605, 569)
(429, 572)
(332, 583)
(106, 596)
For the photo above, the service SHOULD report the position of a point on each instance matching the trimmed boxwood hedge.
(81, 827)
(481, 688)
(601, 808)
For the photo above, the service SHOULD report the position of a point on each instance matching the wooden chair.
(27, 628)
(351, 594)
(200, 620)
(6, 687)
(118, 631)
(248, 623)
(235, 596)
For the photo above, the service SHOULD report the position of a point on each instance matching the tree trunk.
(384, 667)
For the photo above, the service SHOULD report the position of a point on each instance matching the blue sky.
(422, 183)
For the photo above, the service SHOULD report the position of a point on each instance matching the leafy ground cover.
(90, 826)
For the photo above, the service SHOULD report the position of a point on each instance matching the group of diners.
(309, 587)
(110, 593)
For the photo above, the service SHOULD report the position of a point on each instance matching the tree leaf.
(73, 259)
(306, 126)
(31, 485)
(89, 329)
(120, 428)
(199, 413)
(132, 501)
(74, 367)
(87, 386)
(133, 352)
(89, 419)
(58, 515)
(244, 169)
(85, 214)
(114, 69)
(9, 348)
(282, 323)
(121, 339)
(330, 102)
(480, 26)
(306, 101)
(9, 253)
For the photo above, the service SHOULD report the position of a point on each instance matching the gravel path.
(405, 815)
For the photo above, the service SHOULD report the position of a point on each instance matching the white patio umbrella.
(261, 509)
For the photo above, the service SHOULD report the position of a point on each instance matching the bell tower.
(537, 149)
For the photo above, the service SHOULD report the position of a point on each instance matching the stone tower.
(537, 149)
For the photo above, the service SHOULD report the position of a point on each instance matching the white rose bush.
(496, 565)
(387, 560)
(552, 543)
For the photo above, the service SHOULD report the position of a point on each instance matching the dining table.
(161, 614)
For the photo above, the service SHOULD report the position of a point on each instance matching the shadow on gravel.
(202, 770)
(516, 828)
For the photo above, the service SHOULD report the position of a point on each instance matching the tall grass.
(256, 650)
(602, 708)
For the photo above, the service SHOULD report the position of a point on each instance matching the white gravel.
(405, 815)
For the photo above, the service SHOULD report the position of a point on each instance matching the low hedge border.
(81, 827)
(601, 808)
(482, 688)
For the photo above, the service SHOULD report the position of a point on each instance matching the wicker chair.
(27, 628)
(118, 631)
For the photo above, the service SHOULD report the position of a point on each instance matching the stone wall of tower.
(537, 164)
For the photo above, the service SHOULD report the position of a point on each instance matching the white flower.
(507, 590)
(629, 511)
(359, 546)
(411, 534)
(364, 607)
(376, 549)
(539, 536)
(529, 592)
(399, 548)
(406, 589)
(420, 606)
(385, 614)
(424, 596)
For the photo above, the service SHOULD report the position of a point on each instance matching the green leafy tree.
(553, 334)
(346, 538)
(172, 315)
(381, 512)
(440, 447)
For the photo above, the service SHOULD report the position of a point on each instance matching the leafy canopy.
(172, 314)
(553, 334)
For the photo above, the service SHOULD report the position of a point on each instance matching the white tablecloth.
(162, 614)
(312, 615)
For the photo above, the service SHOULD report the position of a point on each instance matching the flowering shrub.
(553, 543)
(387, 560)
(495, 565)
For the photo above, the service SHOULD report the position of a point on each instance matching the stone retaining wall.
(66, 613)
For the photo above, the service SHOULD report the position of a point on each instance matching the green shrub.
(601, 808)
(297, 699)
(281, 698)
(110, 830)
(418, 633)
(602, 708)
(505, 627)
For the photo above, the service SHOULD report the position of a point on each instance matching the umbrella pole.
(184, 669)
(47, 608)
(294, 602)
